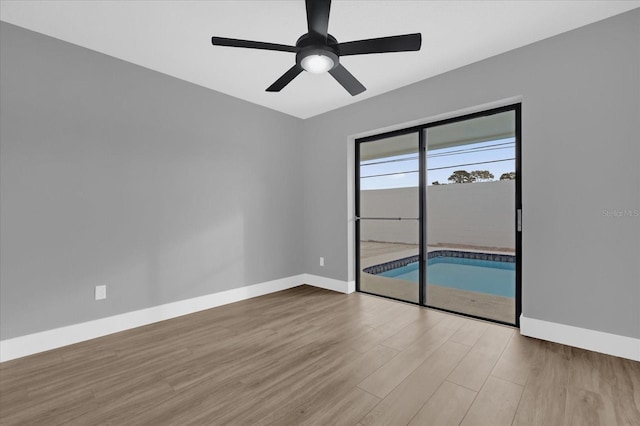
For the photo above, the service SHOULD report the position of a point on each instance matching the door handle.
(519, 220)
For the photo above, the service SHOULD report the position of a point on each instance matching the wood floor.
(311, 356)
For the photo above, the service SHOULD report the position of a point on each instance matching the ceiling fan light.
(317, 64)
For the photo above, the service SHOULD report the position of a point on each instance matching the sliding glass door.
(388, 210)
(438, 211)
(471, 206)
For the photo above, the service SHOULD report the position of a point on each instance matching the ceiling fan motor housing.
(309, 45)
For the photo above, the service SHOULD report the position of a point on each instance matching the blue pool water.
(483, 276)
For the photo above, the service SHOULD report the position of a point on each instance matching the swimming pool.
(480, 272)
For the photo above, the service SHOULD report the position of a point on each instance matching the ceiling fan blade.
(400, 43)
(233, 42)
(318, 17)
(347, 80)
(285, 79)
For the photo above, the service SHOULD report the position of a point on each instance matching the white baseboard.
(50, 339)
(597, 341)
(329, 283)
(611, 344)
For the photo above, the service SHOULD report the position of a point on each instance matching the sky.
(402, 171)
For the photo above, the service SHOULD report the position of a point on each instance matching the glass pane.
(471, 216)
(389, 228)
(389, 258)
(389, 177)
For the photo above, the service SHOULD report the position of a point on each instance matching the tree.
(482, 175)
(508, 176)
(461, 176)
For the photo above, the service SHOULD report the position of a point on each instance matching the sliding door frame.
(422, 189)
(422, 176)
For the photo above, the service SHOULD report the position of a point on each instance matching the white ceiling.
(174, 37)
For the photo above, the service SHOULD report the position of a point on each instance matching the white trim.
(50, 339)
(597, 341)
(328, 283)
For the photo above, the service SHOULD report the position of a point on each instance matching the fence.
(475, 214)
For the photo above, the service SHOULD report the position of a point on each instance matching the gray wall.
(115, 174)
(580, 95)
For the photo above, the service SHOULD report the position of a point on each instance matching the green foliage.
(482, 175)
(508, 176)
(461, 176)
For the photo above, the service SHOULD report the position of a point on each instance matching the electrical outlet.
(101, 292)
(322, 261)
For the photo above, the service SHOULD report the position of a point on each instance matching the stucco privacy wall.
(580, 119)
(479, 214)
(115, 174)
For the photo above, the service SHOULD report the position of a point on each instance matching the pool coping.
(398, 263)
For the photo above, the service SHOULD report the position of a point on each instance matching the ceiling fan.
(318, 51)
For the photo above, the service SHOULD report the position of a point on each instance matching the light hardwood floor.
(311, 356)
